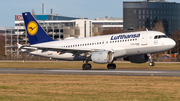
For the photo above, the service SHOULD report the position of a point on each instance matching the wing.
(59, 49)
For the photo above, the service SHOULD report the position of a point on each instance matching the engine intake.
(102, 57)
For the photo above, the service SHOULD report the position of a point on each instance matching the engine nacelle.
(102, 57)
(137, 58)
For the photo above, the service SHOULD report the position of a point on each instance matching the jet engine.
(137, 58)
(102, 57)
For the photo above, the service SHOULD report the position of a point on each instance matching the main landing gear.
(111, 66)
(151, 63)
(86, 66)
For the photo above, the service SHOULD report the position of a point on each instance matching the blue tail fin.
(35, 32)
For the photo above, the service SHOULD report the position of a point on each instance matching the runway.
(92, 72)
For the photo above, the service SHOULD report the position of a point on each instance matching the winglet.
(35, 32)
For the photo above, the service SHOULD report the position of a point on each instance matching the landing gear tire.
(86, 66)
(151, 63)
(111, 66)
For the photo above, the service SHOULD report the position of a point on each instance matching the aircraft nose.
(172, 43)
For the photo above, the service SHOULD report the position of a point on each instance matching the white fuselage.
(124, 44)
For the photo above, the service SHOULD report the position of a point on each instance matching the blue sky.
(75, 8)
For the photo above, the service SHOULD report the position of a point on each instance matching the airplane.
(136, 47)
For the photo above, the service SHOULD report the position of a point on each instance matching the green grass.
(78, 65)
(7, 87)
(42, 87)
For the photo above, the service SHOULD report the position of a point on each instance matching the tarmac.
(93, 72)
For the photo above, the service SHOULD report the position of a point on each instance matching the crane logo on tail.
(32, 28)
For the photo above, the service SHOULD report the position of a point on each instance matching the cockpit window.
(164, 36)
(155, 37)
(160, 36)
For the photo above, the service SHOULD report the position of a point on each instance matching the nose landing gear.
(151, 63)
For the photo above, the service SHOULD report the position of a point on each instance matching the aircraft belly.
(140, 50)
(145, 50)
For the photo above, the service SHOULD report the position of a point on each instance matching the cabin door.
(144, 38)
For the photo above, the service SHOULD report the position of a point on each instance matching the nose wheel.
(151, 63)
(111, 66)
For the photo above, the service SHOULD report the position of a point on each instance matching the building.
(108, 22)
(101, 24)
(146, 13)
(2, 30)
